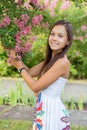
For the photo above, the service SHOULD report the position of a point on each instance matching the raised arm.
(60, 68)
(35, 70)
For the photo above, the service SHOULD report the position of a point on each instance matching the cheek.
(64, 40)
(49, 38)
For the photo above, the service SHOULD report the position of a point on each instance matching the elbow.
(35, 89)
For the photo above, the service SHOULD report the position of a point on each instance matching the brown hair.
(48, 62)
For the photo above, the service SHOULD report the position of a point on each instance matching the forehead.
(59, 29)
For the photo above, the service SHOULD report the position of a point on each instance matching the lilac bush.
(24, 26)
(16, 31)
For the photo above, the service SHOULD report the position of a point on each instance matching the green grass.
(78, 128)
(15, 125)
(25, 125)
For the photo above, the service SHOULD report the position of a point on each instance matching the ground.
(16, 112)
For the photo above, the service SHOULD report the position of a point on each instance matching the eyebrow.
(59, 32)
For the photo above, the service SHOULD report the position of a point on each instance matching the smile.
(53, 43)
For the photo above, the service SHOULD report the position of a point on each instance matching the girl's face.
(58, 38)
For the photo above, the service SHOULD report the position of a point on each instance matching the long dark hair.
(48, 62)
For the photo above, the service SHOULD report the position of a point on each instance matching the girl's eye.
(52, 34)
(60, 35)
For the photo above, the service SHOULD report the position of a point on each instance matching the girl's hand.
(13, 60)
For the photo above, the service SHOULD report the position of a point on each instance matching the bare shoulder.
(59, 69)
(63, 63)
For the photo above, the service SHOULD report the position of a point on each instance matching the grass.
(78, 128)
(15, 125)
(25, 125)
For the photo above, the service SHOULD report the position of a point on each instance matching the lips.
(54, 44)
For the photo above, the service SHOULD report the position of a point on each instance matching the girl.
(50, 113)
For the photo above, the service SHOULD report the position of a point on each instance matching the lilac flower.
(40, 17)
(22, 21)
(65, 4)
(28, 46)
(18, 2)
(83, 27)
(37, 19)
(77, 53)
(6, 21)
(33, 38)
(86, 35)
(17, 48)
(80, 38)
(33, 2)
(46, 3)
(18, 57)
(21, 25)
(26, 5)
(17, 38)
(53, 4)
(26, 30)
(45, 25)
(24, 18)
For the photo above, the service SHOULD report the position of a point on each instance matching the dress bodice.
(50, 112)
(55, 89)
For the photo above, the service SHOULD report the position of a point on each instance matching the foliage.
(11, 71)
(16, 26)
(72, 104)
(26, 125)
(17, 97)
(15, 125)
(40, 47)
(73, 11)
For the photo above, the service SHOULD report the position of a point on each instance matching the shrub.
(49, 13)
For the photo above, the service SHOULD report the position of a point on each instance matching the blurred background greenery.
(74, 11)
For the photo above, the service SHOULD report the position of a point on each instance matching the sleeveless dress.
(49, 112)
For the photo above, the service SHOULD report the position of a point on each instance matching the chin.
(55, 49)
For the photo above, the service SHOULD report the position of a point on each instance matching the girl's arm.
(60, 68)
(35, 70)
(57, 70)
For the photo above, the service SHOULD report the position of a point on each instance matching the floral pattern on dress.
(67, 128)
(65, 119)
(38, 112)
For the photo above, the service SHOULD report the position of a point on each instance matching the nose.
(55, 37)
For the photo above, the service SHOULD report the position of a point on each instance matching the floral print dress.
(50, 113)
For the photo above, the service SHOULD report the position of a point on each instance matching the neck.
(55, 52)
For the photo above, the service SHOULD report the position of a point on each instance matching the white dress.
(50, 113)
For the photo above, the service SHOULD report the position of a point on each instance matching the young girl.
(53, 72)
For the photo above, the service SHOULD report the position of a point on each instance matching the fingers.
(13, 53)
(8, 62)
(14, 59)
(6, 49)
